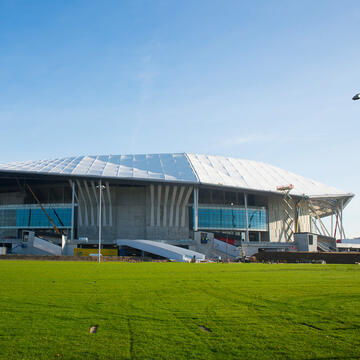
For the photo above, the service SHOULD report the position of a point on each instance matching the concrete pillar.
(196, 209)
(167, 187)
(152, 223)
(158, 205)
(110, 204)
(72, 209)
(172, 205)
(177, 214)
(83, 201)
(183, 208)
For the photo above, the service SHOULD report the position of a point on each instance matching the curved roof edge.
(181, 168)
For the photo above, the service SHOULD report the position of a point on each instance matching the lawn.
(178, 311)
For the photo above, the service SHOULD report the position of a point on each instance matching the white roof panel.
(164, 167)
(248, 174)
(193, 168)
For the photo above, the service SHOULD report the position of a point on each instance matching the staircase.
(324, 246)
(226, 249)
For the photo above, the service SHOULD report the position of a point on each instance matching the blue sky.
(262, 80)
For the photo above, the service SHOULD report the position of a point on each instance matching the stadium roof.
(181, 168)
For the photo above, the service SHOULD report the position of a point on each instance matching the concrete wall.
(206, 248)
(295, 257)
(137, 214)
(276, 214)
(302, 242)
(130, 213)
(303, 216)
(128, 210)
(170, 219)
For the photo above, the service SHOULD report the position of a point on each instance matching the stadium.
(178, 206)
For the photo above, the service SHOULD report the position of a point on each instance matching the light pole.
(100, 187)
(356, 97)
(227, 235)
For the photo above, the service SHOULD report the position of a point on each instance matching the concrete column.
(110, 204)
(167, 187)
(172, 205)
(158, 205)
(183, 208)
(90, 202)
(78, 206)
(152, 223)
(177, 214)
(196, 209)
(84, 202)
(100, 219)
(96, 202)
(72, 209)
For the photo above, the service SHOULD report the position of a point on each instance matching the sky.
(264, 80)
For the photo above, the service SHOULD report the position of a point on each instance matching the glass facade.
(23, 217)
(232, 218)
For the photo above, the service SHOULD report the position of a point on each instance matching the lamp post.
(356, 97)
(227, 235)
(100, 187)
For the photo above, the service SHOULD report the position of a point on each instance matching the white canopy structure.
(190, 168)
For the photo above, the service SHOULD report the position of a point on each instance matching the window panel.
(34, 217)
(232, 218)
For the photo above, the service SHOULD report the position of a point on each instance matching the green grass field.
(178, 311)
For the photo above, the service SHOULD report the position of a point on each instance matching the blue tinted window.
(7, 217)
(225, 218)
(32, 217)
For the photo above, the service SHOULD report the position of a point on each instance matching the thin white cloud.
(248, 139)
(257, 138)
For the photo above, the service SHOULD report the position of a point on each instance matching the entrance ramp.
(46, 246)
(228, 249)
(163, 249)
